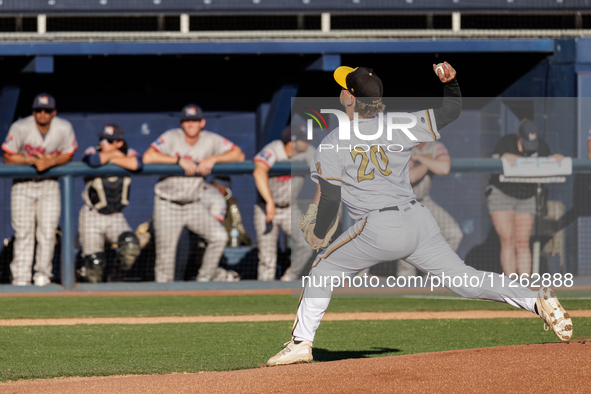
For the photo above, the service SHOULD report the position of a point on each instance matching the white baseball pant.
(267, 242)
(32, 202)
(169, 220)
(450, 229)
(410, 233)
(95, 228)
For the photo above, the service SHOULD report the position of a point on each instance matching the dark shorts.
(499, 201)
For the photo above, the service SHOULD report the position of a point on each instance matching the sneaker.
(286, 277)
(232, 276)
(554, 314)
(41, 280)
(293, 354)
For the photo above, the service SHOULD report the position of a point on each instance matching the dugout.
(244, 77)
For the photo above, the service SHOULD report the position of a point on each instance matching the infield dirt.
(549, 367)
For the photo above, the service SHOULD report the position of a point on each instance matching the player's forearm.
(60, 160)
(107, 157)
(417, 173)
(316, 199)
(129, 163)
(452, 105)
(233, 155)
(16, 159)
(328, 207)
(261, 181)
(153, 156)
(439, 166)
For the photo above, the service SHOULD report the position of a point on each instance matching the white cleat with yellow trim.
(293, 354)
(554, 314)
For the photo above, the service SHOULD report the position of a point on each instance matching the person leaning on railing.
(512, 206)
(42, 140)
(177, 199)
(274, 209)
(101, 217)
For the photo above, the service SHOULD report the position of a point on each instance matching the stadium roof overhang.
(270, 47)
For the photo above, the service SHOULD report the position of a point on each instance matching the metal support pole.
(537, 224)
(456, 21)
(68, 258)
(41, 24)
(185, 23)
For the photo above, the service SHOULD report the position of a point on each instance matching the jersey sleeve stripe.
(261, 161)
(430, 126)
(336, 247)
(153, 145)
(218, 218)
(5, 149)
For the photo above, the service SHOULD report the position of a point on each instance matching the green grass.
(63, 307)
(60, 351)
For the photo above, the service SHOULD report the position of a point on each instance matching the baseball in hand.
(439, 69)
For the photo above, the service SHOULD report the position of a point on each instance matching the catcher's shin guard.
(95, 265)
(129, 250)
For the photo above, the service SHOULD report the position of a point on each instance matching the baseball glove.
(308, 222)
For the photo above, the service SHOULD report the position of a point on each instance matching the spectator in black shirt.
(512, 205)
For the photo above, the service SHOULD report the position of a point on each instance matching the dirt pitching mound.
(549, 367)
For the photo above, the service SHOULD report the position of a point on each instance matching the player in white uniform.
(101, 217)
(274, 211)
(376, 190)
(433, 159)
(42, 140)
(177, 198)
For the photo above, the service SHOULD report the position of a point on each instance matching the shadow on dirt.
(329, 355)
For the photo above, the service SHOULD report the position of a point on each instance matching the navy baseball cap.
(361, 82)
(294, 132)
(112, 131)
(44, 101)
(191, 112)
(528, 131)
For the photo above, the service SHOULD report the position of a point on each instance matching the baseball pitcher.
(374, 185)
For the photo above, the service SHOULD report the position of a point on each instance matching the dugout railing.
(69, 172)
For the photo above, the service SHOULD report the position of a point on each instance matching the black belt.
(181, 203)
(282, 206)
(395, 208)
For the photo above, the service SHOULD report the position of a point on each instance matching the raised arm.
(452, 98)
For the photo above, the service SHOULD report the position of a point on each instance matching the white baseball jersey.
(283, 188)
(25, 138)
(435, 149)
(215, 202)
(372, 174)
(172, 143)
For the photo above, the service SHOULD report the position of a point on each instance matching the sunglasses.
(109, 140)
(38, 111)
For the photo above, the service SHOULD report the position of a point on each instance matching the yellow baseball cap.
(361, 82)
